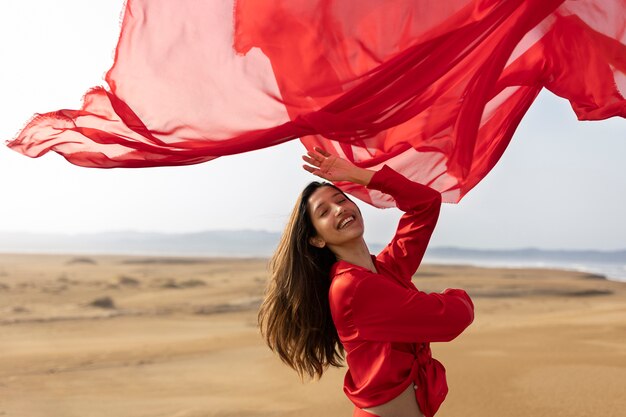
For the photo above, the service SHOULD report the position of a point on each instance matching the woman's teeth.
(345, 221)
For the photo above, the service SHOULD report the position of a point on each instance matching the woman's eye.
(323, 213)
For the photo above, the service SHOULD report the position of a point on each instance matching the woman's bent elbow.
(462, 318)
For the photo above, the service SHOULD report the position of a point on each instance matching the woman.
(328, 295)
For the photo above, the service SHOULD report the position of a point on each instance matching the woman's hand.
(333, 168)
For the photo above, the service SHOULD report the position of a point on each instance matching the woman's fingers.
(315, 171)
(316, 155)
(311, 160)
(315, 158)
(321, 151)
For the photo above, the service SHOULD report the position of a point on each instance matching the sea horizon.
(611, 264)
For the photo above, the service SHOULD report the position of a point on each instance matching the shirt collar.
(342, 266)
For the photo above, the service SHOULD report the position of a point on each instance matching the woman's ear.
(317, 241)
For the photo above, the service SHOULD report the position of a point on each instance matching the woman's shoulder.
(343, 283)
(343, 286)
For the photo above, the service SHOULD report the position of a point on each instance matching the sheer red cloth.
(435, 89)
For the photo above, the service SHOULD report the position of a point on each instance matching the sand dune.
(177, 337)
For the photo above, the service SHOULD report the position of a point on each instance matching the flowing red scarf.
(435, 89)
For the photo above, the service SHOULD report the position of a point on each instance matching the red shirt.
(384, 322)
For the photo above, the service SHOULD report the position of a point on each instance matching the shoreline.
(593, 273)
(598, 272)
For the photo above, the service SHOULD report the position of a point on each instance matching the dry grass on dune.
(177, 337)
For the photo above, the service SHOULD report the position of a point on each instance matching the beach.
(122, 336)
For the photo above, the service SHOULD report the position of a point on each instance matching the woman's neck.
(355, 253)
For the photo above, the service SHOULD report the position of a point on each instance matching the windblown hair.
(294, 317)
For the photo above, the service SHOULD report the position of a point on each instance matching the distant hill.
(238, 243)
(256, 243)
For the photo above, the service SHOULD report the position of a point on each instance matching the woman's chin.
(351, 233)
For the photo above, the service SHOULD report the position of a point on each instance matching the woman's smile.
(347, 221)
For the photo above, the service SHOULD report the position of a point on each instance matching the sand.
(96, 336)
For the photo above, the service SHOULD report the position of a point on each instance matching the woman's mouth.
(345, 222)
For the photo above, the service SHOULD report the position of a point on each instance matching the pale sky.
(560, 184)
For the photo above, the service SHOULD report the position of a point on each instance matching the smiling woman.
(328, 296)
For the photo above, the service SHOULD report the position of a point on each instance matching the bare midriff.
(404, 405)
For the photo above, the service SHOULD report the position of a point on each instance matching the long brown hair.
(294, 317)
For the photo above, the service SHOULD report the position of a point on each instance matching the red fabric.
(362, 413)
(384, 322)
(435, 89)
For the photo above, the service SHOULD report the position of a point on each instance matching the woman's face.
(336, 218)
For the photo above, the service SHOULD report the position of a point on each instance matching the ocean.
(608, 264)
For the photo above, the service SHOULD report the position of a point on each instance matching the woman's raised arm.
(421, 204)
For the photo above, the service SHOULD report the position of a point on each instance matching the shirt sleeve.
(383, 310)
(421, 205)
